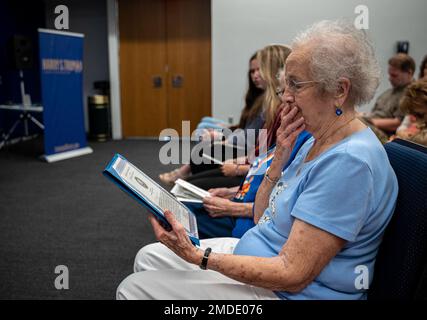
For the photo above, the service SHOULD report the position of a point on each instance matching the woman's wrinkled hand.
(176, 239)
(290, 127)
(218, 207)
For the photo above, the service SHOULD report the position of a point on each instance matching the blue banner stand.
(61, 71)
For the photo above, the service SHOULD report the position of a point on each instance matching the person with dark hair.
(251, 109)
(256, 88)
(423, 69)
(386, 115)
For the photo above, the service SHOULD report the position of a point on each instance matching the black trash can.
(99, 118)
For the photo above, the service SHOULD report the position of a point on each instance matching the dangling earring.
(338, 111)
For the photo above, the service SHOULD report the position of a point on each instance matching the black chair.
(412, 145)
(401, 265)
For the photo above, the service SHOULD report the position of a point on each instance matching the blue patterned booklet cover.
(150, 194)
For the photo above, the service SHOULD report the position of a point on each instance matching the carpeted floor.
(68, 213)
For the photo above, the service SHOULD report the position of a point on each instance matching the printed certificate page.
(151, 191)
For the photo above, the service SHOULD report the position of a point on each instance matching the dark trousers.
(214, 178)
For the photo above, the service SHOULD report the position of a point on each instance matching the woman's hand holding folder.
(176, 239)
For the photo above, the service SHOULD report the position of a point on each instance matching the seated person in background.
(410, 124)
(414, 103)
(315, 223)
(256, 88)
(251, 116)
(386, 116)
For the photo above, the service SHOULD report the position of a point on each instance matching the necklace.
(329, 126)
(338, 129)
(328, 136)
(282, 185)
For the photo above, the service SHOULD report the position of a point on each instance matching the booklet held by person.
(189, 194)
(150, 194)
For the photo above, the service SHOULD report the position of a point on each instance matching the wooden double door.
(165, 64)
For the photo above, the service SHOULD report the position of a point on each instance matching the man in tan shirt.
(386, 114)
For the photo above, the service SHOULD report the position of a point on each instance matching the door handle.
(157, 81)
(177, 81)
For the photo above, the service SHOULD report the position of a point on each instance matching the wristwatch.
(204, 263)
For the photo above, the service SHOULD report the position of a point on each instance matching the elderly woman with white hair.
(319, 222)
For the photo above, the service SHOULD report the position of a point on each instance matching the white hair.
(339, 50)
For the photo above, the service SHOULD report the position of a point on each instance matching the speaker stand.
(24, 117)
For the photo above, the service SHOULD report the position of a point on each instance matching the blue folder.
(113, 171)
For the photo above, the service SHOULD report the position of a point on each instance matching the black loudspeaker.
(21, 52)
(403, 47)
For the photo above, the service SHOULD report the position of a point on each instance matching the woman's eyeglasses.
(294, 86)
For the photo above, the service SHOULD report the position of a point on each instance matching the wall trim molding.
(114, 67)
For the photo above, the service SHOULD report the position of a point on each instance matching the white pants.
(161, 274)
